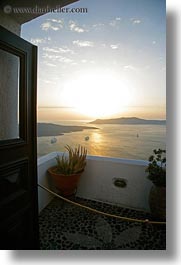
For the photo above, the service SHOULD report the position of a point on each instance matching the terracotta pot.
(157, 201)
(66, 184)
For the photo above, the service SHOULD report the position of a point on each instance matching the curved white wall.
(43, 164)
(97, 181)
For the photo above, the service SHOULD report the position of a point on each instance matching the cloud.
(47, 49)
(57, 24)
(59, 21)
(63, 49)
(47, 25)
(52, 24)
(115, 22)
(98, 26)
(47, 81)
(83, 43)
(49, 64)
(47, 55)
(147, 67)
(103, 45)
(74, 27)
(54, 54)
(135, 21)
(56, 58)
(65, 60)
(130, 67)
(37, 41)
(114, 46)
(74, 63)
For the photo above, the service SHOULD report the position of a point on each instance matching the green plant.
(157, 168)
(74, 163)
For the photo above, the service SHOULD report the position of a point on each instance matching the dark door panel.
(18, 232)
(15, 186)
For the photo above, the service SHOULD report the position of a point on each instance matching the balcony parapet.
(113, 180)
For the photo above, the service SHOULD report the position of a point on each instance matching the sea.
(110, 140)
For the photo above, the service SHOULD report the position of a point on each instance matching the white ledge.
(44, 159)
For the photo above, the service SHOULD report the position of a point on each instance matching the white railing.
(98, 181)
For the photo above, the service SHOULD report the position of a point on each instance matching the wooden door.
(18, 144)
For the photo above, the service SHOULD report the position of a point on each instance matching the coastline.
(51, 129)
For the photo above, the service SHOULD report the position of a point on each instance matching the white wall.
(97, 181)
(43, 164)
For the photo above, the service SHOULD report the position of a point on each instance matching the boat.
(53, 140)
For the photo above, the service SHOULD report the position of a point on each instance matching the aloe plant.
(74, 163)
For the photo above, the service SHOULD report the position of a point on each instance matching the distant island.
(130, 120)
(50, 129)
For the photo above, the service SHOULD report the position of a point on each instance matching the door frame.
(22, 151)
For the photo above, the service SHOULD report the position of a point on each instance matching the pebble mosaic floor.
(64, 226)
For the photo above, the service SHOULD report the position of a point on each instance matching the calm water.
(109, 140)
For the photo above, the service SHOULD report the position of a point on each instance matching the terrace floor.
(64, 226)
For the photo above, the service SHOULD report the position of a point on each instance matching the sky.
(108, 62)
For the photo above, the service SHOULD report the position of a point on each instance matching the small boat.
(87, 138)
(53, 140)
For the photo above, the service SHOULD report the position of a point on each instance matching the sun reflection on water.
(96, 137)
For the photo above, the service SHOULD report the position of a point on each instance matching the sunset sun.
(98, 94)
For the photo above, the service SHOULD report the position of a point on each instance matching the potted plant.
(157, 174)
(68, 170)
